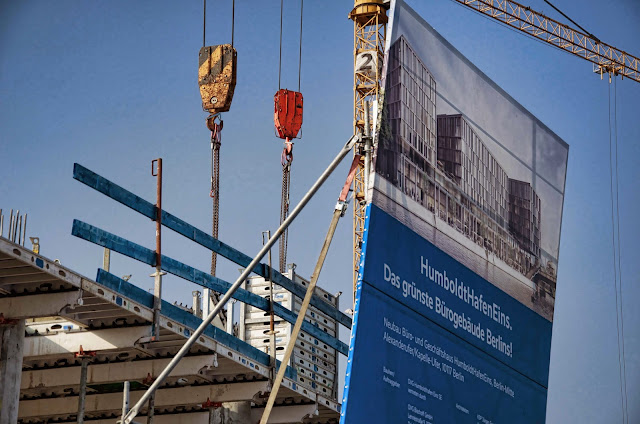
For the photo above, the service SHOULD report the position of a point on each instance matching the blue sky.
(113, 85)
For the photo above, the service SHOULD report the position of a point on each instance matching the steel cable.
(284, 213)
(233, 20)
(615, 268)
(204, 22)
(624, 361)
(300, 51)
(280, 59)
(216, 142)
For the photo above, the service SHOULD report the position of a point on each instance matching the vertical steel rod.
(24, 230)
(19, 232)
(10, 225)
(15, 224)
(271, 322)
(197, 306)
(248, 270)
(1, 223)
(157, 287)
(106, 259)
(230, 308)
(272, 331)
(82, 396)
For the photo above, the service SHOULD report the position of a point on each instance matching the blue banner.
(428, 281)
(409, 370)
(434, 343)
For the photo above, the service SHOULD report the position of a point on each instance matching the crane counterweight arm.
(606, 58)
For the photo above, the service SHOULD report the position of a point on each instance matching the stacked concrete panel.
(315, 362)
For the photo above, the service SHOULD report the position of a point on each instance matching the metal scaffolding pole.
(125, 398)
(82, 395)
(156, 171)
(152, 409)
(128, 418)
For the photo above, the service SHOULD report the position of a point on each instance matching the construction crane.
(369, 32)
(370, 22)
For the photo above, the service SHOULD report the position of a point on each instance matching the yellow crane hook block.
(217, 77)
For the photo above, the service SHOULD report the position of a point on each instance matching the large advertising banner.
(455, 301)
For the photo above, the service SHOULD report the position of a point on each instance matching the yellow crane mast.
(370, 29)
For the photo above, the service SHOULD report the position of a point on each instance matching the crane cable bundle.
(287, 119)
(217, 81)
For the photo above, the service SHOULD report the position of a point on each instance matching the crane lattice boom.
(608, 59)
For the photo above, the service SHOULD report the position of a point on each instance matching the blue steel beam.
(190, 321)
(138, 204)
(133, 250)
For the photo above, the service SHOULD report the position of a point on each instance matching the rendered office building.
(444, 165)
(409, 122)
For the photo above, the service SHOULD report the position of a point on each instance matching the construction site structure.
(70, 343)
(76, 349)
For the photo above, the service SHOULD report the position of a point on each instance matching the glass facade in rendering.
(442, 163)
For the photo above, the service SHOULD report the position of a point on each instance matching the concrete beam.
(38, 305)
(285, 414)
(280, 415)
(186, 418)
(41, 277)
(114, 372)
(11, 349)
(165, 398)
(69, 342)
